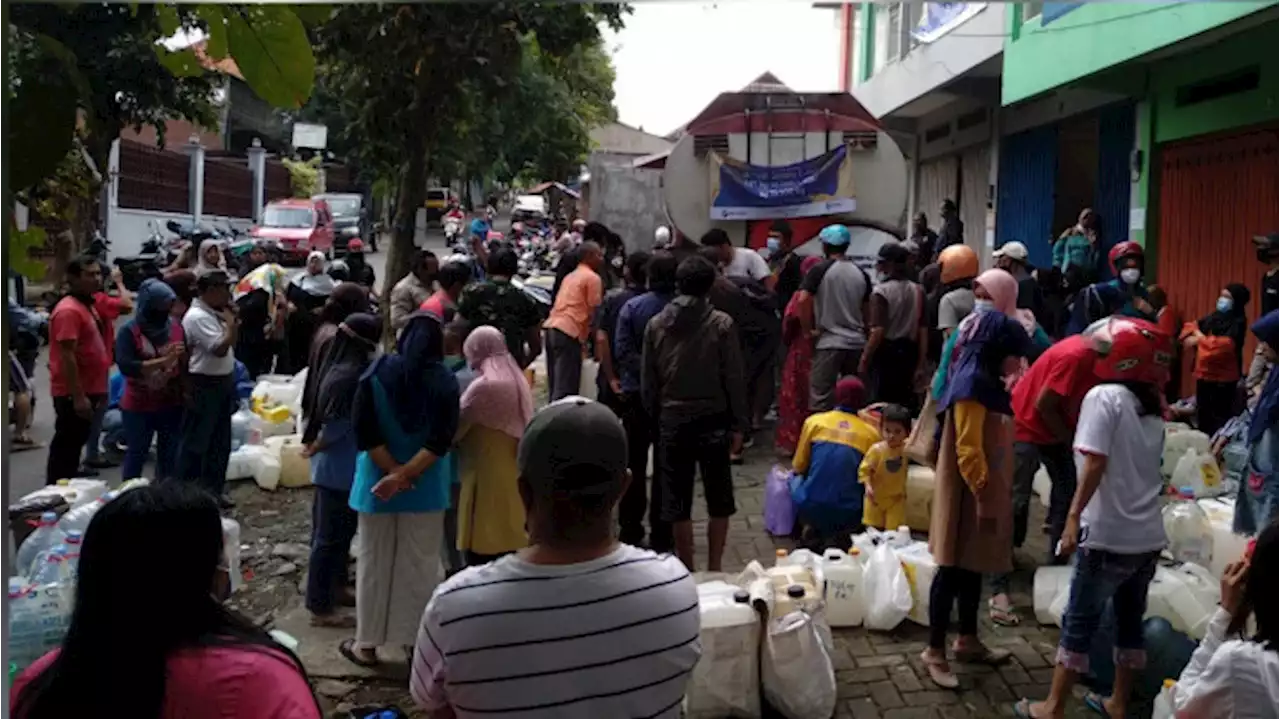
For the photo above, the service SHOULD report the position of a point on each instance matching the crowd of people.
(435, 455)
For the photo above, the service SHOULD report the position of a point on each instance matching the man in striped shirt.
(577, 624)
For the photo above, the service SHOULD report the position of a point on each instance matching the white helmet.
(661, 236)
(579, 224)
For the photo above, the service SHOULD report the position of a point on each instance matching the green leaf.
(21, 242)
(42, 122)
(182, 63)
(313, 14)
(272, 50)
(167, 17)
(215, 21)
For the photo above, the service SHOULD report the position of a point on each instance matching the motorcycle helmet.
(1130, 350)
(1124, 250)
(661, 237)
(339, 271)
(957, 262)
(355, 246)
(835, 236)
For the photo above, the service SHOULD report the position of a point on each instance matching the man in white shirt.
(738, 261)
(210, 327)
(577, 625)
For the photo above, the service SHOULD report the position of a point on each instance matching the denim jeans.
(1100, 576)
(139, 428)
(93, 444)
(1257, 497)
(113, 434)
(1060, 465)
(333, 525)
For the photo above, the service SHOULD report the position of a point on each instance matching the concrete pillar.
(258, 165)
(195, 186)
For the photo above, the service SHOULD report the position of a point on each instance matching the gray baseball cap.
(573, 432)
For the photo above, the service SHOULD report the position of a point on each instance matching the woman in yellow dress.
(495, 408)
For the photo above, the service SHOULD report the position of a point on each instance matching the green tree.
(101, 67)
(409, 79)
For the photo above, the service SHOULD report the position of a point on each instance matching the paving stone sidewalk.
(879, 674)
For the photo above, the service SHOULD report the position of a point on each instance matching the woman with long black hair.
(149, 638)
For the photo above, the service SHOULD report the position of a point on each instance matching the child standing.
(1114, 518)
(883, 472)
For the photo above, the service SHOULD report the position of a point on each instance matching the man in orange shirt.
(569, 325)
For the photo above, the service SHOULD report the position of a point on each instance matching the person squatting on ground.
(832, 447)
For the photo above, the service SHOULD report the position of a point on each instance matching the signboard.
(811, 188)
(941, 18)
(312, 137)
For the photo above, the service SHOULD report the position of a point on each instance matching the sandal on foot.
(1001, 616)
(940, 672)
(1097, 703)
(982, 655)
(333, 620)
(348, 650)
(20, 444)
(1022, 709)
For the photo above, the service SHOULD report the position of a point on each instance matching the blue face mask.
(1224, 304)
(984, 305)
(774, 244)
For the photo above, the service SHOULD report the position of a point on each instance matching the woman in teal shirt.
(406, 415)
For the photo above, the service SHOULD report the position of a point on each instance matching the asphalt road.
(26, 469)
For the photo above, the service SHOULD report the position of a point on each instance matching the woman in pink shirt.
(150, 637)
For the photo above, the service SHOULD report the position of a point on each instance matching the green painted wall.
(866, 43)
(1095, 36)
(1253, 48)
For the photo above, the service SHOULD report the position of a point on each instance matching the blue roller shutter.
(1024, 197)
(1111, 202)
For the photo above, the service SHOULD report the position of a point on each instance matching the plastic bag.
(779, 511)
(886, 591)
(796, 671)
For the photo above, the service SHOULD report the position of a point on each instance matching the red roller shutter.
(1215, 192)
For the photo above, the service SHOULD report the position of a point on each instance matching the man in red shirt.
(1046, 406)
(78, 365)
(109, 309)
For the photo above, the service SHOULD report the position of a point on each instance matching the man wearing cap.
(896, 346)
(692, 382)
(211, 329)
(576, 624)
(1012, 258)
(832, 298)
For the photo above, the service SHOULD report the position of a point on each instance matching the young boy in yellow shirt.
(883, 472)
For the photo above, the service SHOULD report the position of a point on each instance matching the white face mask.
(1131, 275)
(984, 305)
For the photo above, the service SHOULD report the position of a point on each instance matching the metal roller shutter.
(1111, 199)
(1024, 199)
(1215, 192)
(975, 177)
(938, 182)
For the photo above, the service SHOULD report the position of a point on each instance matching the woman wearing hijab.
(793, 395)
(210, 258)
(1258, 495)
(260, 300)
(307, 294)
(971, 530)
(406, 415)
(330, 439)
(347, 299)
(149, 352)
(496, 406)
(1218, 341)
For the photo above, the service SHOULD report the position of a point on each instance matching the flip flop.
(348, 651)
(22, 444)
(1096, 703)
(944, 678)
(982, 655)
(333, 621)
(1002, 617)
(1022, 709)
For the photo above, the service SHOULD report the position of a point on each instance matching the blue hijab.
(415, 379)
(1265, 412)
(154, 300)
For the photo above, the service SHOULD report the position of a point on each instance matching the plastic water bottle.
(46, 535)
(51, 567)
(241, 426)
(73, 543)
(1188, 529)
(24, 628)
(77, 520)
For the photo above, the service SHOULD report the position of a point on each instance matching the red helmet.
(355, 245)
(1121, 251)
(1130, 350)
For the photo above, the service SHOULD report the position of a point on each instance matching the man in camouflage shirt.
(498, 303)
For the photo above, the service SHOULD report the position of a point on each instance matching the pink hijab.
(499, 397)
(1003, 289)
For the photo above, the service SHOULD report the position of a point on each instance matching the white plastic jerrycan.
(843, 575)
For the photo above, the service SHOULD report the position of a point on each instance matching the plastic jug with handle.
(842, 575)
(1176, 445)
(1194, 599)
(1049, 583)
(1199, 472)
(1228, 546)
(1188, 530)
(1162, 707)
(725, 682)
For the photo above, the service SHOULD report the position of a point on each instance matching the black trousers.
(70, 432)
(333, 525)
(893, 373)
(639, 500)
(564, 365)
(953, 585)
(1215, 405)
(205, 447)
